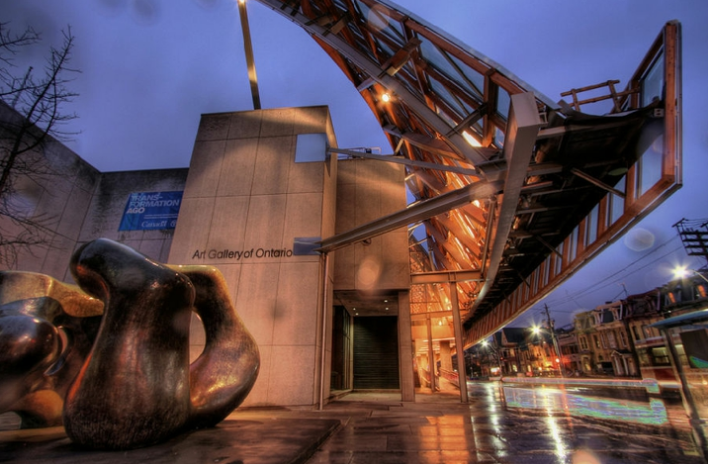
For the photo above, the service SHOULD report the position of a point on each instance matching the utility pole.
(555, 341)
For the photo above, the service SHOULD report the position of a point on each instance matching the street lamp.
(681, 272)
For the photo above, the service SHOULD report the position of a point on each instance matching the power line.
(596, 286)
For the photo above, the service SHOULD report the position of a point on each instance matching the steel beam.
(419, 212)
(405, 161)
(444, 277)
(597, 182)
(522, 129)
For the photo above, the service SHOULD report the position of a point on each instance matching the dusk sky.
(149, 68)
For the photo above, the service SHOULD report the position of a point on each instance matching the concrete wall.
(368, 190)
(75, 203)
(245, 196)
(108, 204)
(56, 195)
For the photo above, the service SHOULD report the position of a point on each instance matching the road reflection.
(585, 403)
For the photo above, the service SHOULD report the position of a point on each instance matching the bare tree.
(35, 118)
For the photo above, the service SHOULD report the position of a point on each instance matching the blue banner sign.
(151, 211)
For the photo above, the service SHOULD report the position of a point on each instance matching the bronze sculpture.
(47, 329)
(136, 386)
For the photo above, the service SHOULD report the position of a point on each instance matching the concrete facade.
(245, 202)
(76, 203)
(368, 190)
(108, 203)
(260, 188)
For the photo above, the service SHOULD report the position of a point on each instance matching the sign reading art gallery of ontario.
(151, 211)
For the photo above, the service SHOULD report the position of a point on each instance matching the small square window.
(311, 148)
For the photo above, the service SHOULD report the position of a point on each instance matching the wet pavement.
(484, 431)
(378, 428)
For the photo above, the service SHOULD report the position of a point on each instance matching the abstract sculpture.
(136, 387)
(47, 329)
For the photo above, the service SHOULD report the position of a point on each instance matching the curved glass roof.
(512, 202)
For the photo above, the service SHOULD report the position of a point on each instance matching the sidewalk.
(378, 428)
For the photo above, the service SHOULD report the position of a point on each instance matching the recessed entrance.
(365, 342)
(376, 353)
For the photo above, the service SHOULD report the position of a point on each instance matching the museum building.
(513, 194)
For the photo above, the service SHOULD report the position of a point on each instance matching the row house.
(541, 356)
(616, 354)
(516, 352)
(605, 342)
(570, 352)
(588, 340)
(642, 311)
(614, 339)
(680, 296)
(509, 341)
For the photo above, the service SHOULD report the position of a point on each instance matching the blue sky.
(149, 68)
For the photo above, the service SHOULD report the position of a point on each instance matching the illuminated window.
(660, 356)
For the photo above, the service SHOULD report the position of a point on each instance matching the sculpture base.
(273, 441)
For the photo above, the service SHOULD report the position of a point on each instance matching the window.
(647, 331)
(623, 339)
(636, 333)
(311, 148)
(611, 340)
(660, 356)
(701, 291)
(653, 81)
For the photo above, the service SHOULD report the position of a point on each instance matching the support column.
(445, 355)
(405, 348)
(459, 344)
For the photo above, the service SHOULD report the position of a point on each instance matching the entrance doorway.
(365, 353)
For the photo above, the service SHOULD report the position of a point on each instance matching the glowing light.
(386, 97)
(680, 272)
(471, 140)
